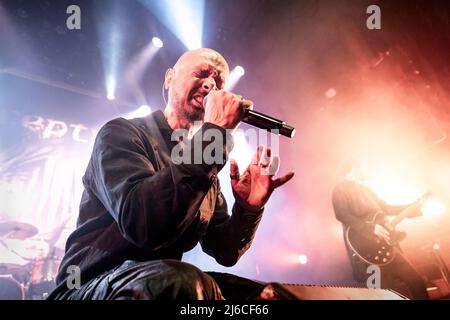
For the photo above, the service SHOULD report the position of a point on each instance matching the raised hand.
(253, 188)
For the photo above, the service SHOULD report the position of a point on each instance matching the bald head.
(203, 53)
(193, 76)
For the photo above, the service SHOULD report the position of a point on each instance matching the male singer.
(141, 210)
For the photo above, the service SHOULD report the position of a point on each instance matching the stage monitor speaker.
(278, 291)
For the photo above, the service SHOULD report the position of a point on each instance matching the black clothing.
(139, 205)
(149, 280)
(354, 204)
(163, 279)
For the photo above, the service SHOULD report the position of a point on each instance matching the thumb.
(234, 172)
(282, 180)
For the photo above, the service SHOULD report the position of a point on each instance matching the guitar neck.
(404, 214)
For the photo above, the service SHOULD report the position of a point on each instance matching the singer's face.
(194, 75)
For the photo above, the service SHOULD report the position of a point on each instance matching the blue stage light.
(184, 18)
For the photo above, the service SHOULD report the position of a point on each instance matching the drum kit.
(28, 262)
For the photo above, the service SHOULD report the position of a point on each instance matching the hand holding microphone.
(226, 109)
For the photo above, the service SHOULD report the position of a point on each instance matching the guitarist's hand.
(419, 204)
(381, 233)
(424, 198)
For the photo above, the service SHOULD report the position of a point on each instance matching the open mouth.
(198, 100)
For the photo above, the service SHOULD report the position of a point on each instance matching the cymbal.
(17, 230)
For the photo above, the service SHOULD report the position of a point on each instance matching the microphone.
(268, 123)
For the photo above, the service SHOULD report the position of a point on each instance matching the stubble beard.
(188, 112)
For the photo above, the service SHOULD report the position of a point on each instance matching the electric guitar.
(374, 250)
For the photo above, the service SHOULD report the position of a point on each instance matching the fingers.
(241, 105)
(234, 172)
(282, 180)
(257, 156)
(384, 237)
(265, 158)
(384, 233)
(247, 104)
(274, 166)
(381, 232)
(234, 168)
(225, 108)
(269, 165)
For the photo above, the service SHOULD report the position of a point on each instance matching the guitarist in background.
(354, 205)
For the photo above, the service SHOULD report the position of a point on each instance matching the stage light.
(157, 42)
(234, 77)
(240, 71)
(111, 74)
(302, 259)
(433, 208)
(140, 112)
(330, 93)
(184, 18)
(110, 88)
(110, 27)
(144, 111)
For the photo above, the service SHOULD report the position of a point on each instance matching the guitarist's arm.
(391, 210)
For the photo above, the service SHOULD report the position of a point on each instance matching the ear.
(168, 78)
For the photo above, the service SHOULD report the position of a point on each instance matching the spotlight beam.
(140, 112)
(110, 33)
(184, 18)
(235, 76)
(136, 69)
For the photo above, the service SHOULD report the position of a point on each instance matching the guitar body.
(370, 248)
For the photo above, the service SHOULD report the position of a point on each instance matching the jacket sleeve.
(229, 237)
(344, 213)
(151, 207)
